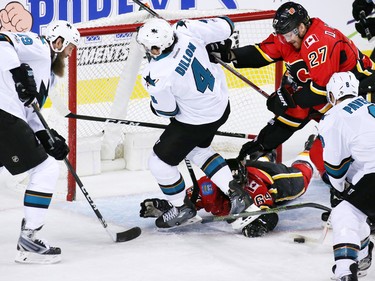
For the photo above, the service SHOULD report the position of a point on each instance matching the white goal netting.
(107, 83)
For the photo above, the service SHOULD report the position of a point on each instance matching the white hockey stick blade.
(320, 240)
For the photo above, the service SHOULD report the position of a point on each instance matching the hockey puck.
(299, 240)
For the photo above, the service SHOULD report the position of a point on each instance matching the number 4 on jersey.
(202, 76)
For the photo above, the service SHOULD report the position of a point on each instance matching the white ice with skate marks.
(198, 251)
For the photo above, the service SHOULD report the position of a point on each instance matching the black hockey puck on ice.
(299, 240)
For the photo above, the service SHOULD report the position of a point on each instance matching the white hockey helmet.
(340, 85)
(63, 29)
(155, 33)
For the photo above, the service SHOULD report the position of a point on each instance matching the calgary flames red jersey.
(326, 51)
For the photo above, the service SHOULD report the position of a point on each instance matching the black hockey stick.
(232, 70)
(146, 124)
(265, 211)
(243, 78)
(147, 8)
(116, 237)
(195, 193)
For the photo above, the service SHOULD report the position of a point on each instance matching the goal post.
(104, 80)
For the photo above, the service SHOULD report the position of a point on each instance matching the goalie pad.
(240, 223)
(262, 225)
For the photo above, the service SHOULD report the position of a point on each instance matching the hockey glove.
(361, 5)
(280, 101)
(23, 77)
(220, 50)
(57, 149)
(370, 24)
(249, 148)
(262, 225)
(239, 171)
(154, 208)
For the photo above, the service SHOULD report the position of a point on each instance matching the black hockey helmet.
(239, 171)
(288, 16)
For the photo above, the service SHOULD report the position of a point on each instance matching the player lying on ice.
(268, 184)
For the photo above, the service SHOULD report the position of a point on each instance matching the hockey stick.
(116, 237)
(265, 211)
(300, 238)
(147, 8)
(232, 70)
(195, 193)
(146, 124)
(243, 78)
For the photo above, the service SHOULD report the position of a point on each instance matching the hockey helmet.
(340, 85)
(155, 33)
(62, 29)
(239, 171)
(288, 17)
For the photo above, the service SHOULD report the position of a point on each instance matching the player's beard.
(58, 65)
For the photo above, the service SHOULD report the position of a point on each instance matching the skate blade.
(192, 220)
(34, 258)
(360, 274)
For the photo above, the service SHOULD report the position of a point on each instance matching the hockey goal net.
(104, 80)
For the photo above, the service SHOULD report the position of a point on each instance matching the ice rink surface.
(196, 252)
(199, 252)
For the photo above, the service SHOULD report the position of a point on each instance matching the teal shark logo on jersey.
(150, 81)
(180, 23)
(43, 91)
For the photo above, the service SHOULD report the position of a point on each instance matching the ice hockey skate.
(178, 216)
(351, 277)
(304, 156)
(33, 250)
(365, 263)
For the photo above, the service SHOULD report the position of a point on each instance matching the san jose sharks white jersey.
(348, 136)
(184, 83)
(18, 48)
